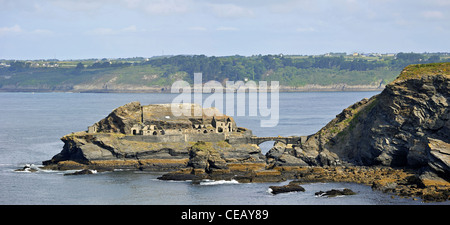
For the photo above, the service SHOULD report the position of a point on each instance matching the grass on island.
(420, 70)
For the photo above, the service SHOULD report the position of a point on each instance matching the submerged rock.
(81, 172)
(334, 193)
(176, 176)
(27, 168)
(291, 187)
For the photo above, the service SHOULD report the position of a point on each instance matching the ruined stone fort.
(157, 123)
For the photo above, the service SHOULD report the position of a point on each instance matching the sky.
(82, 29)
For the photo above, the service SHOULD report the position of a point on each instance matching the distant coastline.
(166, 89)
(295, 73)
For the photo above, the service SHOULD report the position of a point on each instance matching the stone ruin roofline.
(158, 119)
(223, 125)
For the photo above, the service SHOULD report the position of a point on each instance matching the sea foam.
(218, 182)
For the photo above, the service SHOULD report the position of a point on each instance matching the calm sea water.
(31, 125)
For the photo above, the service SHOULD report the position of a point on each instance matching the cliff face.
(121, 119)
(406, 125)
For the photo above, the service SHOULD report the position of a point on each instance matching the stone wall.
(211, 137)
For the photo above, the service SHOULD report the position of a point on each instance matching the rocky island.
(151, 138)
(397, 141)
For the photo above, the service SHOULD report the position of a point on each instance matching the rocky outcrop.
(401, 182)
(81, 172)
(199, 142)
(210, 156)
(28, 168)
(439, 159)
(282, 154)
(406, 125)
(223, 161)
(108, 151)
(291, 187)
(121, 119)
(334, 193)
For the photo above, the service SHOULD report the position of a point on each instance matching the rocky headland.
(397, 141)
(406, 126)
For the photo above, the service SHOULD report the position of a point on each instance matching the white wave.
(319, 195)
(49, 171)
(28, 168)
(74, 171)
(217, 182)
(23, 171)
(67, 171)
(175, 181)
(269, 190)
(6, 164)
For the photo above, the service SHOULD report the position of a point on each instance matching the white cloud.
(103, 31)
(441, 2)
(197, 28)
(79, 5)
(165, 7)
(16, 29)
(230, 11)
(305, 29)
(131, 28)
(432, 14)
(154, 7)
(10, 30)
(290, 6)
(132, 3)
(227, 29)
(42, 32)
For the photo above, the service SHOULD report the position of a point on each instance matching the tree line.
(253, 67)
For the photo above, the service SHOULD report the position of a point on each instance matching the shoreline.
(166, 90)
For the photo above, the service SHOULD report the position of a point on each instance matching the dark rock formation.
(81, 172)
(204, 156)
(334, 193)
(211, 156)
(121, 119)
(113, 151)
(284, 155)
(180, 176)
(28, 168)
(291, 187)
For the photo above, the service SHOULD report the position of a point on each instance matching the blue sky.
(79, 29)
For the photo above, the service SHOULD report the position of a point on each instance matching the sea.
(31, 125)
